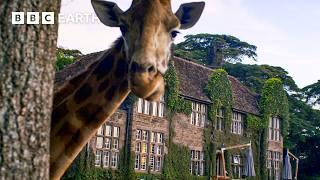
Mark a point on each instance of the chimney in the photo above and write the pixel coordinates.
(215, 56)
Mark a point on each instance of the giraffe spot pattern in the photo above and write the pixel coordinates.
(122, 68)
(83, 93)
(89, 112)
(79, 79)
(111, 93)
(104, 68)
(59, 112)
(104, 85)
(63, 94)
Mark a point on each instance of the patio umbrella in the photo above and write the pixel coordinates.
(287, 170)
(249, 166)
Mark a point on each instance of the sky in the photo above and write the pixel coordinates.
(286, 32)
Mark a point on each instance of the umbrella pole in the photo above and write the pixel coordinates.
(223, 164)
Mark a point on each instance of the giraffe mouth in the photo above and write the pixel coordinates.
(149, 89)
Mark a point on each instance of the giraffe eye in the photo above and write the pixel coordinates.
(174, 34)
(123, 29)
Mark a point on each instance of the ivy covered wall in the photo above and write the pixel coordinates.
(177, 160)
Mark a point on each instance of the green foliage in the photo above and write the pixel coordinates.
(254, 76)
(66, 57)
(144, 176)
(174, 102)
(219, 92)
(255, 123)
(177, 163)
(312, 93)
(210, 149)
(197, 47)
(274, 102)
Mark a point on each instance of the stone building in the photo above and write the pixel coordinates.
(144, 127)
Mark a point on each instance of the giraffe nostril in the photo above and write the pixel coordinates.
(151, 69)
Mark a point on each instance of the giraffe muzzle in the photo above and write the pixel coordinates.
(146, 81)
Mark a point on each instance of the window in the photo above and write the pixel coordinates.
(106, 159)
(273, 164)
(107, 145)
(98, 158)
(151, 108)
(138, 134)
(146, 106)
(274, 129)
(99, 142)
(149, 151)
(116, 131)
(140, 105)
(199, 114)
(114, 159)
(197, 163)
(237, 166)
(137, 161)
(144, 135)
(108, 130)
(115, 144)
(151, 162)
(143, 165)
(220, 120)
(100, 130)
(237, 123)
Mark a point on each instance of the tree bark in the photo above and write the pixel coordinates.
(27, 56)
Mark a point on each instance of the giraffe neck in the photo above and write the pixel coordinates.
(99, 92)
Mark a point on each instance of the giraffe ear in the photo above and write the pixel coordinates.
(107, 12)
(189, 14)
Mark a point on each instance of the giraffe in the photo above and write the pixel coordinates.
(135, 63)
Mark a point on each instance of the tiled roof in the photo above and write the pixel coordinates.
(193, 79)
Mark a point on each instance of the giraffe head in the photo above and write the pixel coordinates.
(148, 28)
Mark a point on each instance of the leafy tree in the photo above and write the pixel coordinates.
(206, 47)
(312, 93)
(66, 57)
(254, 76)
(304, 133)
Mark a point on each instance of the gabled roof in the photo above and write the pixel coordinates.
(193, 79)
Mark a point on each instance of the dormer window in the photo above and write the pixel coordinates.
(220, 120)
(199, 114)
(237, 123)
(274, 129)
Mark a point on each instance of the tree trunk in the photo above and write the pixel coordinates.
(27, 55)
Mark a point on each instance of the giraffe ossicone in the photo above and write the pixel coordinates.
(136, 63)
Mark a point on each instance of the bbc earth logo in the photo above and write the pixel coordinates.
(32, 18)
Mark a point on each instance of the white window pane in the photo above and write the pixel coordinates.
(140, 105)
(161, 110)
(108, 130)
(106, 159)
(160, 138)
(146, 107)
(138, 134)
(98, 158)
(116, 131)
(99, 142)
(107, 143)
(137, 161)
(154, 108)
(100, 130)
(115, 144)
